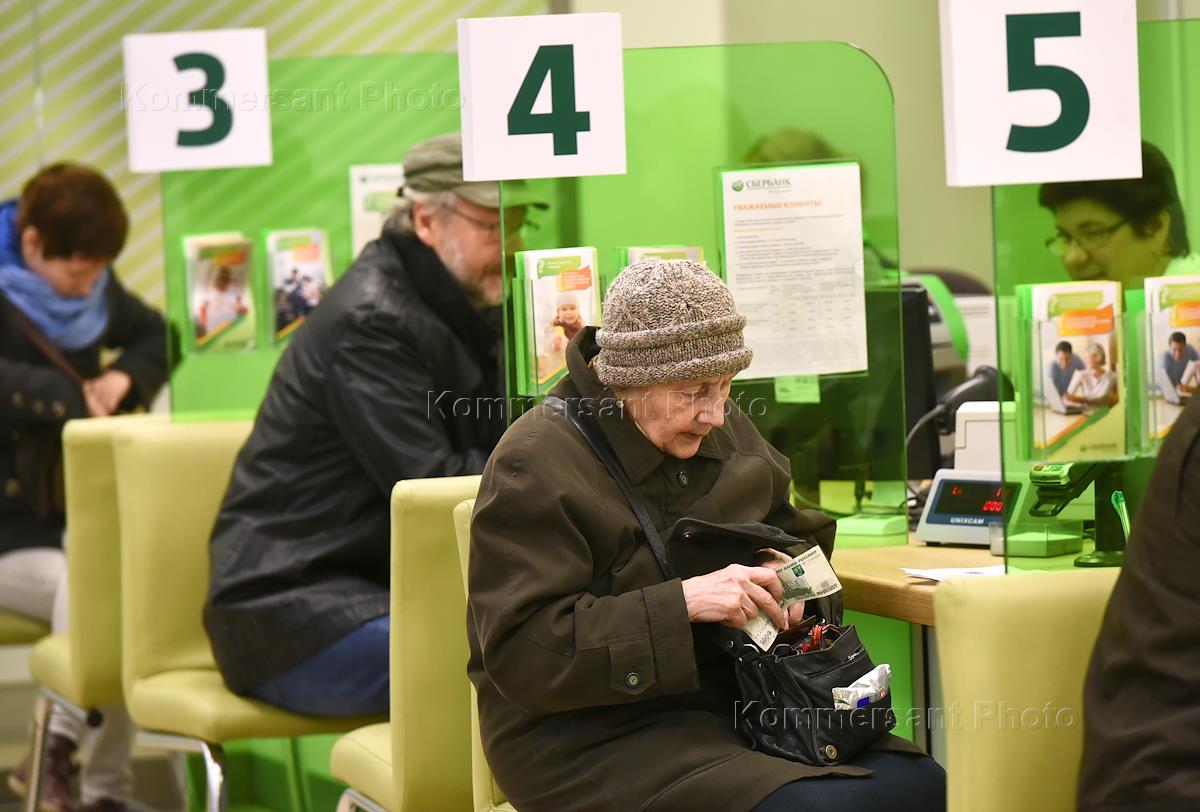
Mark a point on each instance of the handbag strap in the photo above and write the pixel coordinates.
(43, 344)
(591, 433)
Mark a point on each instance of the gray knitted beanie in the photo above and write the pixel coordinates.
(669, 320)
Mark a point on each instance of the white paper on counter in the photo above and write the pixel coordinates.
(946, 573)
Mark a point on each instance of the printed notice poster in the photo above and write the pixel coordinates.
(794, 263)
(373, 194)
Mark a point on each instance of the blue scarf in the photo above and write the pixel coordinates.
(69, 323)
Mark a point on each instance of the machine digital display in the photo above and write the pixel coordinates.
(967, 507)
(967, 498)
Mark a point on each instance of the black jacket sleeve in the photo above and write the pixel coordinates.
(139, 332)
(381, 396)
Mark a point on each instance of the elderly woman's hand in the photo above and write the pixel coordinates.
(734, 595)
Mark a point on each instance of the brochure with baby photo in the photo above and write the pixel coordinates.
(1078, 408)
(220, 301)
(557, 296)
(300, 273)
(1173, 349)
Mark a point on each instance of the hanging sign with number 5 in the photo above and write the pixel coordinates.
(543, 96)
(1039, 91)
(197, 100)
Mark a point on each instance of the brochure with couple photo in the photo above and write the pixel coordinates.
(298, 260)
(556, 294)
(1172, 359)
(1077, 411)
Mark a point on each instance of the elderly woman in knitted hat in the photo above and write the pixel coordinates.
(598, 686)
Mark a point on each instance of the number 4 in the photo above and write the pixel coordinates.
(1024, 73)
(563, 121)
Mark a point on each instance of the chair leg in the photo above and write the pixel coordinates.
(354, 801)
(37, 761)
(216, 799)
(346, 802)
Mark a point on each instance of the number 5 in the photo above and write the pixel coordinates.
(1025, 74)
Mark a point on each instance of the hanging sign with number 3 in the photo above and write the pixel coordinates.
(543, 96)
(1040, 90)
(197, 100)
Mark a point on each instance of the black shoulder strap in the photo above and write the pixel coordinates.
(602, 450)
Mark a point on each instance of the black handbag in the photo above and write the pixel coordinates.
(787, 707)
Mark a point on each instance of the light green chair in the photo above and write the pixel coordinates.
(487, 796)
(18, 630)
(1013, 653)
(172, 479)
(80, 670)
(422, 759)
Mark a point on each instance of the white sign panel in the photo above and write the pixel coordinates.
(543, 96)
(197, 100)
(1038, 91)
(794, 264)
(374, 192)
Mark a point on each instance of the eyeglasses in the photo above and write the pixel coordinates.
(493, 229)
(1088, 240)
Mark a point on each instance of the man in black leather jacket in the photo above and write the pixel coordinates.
(396, 375)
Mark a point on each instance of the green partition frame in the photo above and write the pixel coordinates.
(1170, 107)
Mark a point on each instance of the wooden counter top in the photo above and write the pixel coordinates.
(873, 582)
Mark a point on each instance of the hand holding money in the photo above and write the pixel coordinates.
(735, 595)
(804, 577)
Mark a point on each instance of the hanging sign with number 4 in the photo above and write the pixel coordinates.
(1038, 91)
(197, 100)
(543, 96)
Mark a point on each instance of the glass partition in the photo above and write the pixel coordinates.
(692, 112)
(1093, 395)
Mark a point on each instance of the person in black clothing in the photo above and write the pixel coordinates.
(1141, 698)
(397, 375)
(60, 305)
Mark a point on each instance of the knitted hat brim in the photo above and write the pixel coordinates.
(726, 363)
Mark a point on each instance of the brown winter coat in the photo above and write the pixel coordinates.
(595, 691)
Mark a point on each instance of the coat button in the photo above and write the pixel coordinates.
(58, 408)
(39, 406)
(18, 400)
(12, 488)
(632, 679)
(682, 479)
(830, 752)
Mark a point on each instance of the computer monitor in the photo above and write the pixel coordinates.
(920, 392)
(857, 430)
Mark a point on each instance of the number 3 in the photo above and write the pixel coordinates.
(1024, 73)
(206, 96)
